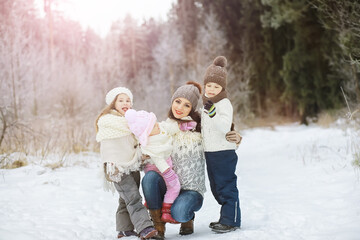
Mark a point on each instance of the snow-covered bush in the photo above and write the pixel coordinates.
(355, 139)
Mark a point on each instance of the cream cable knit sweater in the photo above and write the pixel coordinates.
(214, 129)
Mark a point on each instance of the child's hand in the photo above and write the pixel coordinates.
(144, 157)
(210, 108)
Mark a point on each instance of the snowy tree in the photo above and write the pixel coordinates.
(210, 42)
(20, 48)
(169, 57)
(211, 39)
(186, 20)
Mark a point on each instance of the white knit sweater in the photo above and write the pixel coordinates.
(214, 129)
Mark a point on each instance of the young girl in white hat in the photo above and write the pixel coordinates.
(121, 160)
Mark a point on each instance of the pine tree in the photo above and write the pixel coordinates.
(306, 70)
(344, 19)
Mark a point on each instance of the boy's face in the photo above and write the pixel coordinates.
(212, 89)
(181, 107)
(155, 130)
(122, 103)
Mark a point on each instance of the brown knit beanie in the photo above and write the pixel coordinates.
(216, 72)
(191, 91)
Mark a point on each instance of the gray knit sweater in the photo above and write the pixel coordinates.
(189, 160)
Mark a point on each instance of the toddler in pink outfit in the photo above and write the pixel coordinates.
(156, 141)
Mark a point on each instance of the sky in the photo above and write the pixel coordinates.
(99, 14)
(295, 183)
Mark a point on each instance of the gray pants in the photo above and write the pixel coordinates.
(131, 212)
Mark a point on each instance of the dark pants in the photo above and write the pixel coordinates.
(184, 206)
(221, 168)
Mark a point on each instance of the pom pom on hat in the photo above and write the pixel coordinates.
(111, 95)
(196, 85)
(220, 61)
(130, 116)
(216, 72)
(140, 124)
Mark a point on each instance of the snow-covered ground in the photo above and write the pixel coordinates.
(295, 182)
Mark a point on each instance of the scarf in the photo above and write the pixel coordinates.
(112, 125)
(215, 99)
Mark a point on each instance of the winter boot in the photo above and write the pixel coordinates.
(187, 228)
(148, 233)
(158, 224)
(222, 228)
(166, 213)
(126, 234)
(212, 224)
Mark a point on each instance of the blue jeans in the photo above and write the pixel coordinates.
(185, 204)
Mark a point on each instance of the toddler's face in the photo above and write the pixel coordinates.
(155, 130)
(122, 103)
(181, 107)
(212, 89)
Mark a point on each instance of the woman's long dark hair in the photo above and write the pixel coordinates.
(195, 115)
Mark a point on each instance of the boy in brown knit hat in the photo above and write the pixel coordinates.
(221, 158)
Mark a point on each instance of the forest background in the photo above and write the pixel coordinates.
(294, 60)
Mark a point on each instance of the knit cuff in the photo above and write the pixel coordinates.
(169, 174)
(212, 111)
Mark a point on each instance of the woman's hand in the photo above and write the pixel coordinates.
(185, 126)
(233, 137)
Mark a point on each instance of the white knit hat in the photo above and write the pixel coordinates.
(111, 95)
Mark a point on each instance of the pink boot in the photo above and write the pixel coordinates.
(166, 213)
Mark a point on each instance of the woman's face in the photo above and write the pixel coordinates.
(181, 107)
(122, 103)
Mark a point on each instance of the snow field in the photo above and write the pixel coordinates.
(295, 182)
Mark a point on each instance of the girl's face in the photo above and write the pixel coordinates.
(181, 107)
(122, 103)
(212, 89)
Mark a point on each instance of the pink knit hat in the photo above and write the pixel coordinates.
(141, 123)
